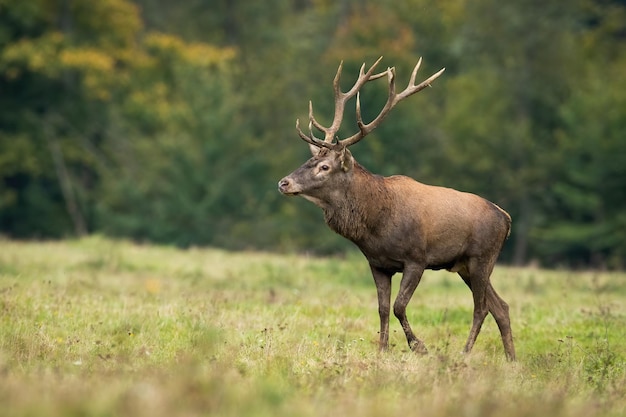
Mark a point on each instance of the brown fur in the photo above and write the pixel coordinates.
(402, 225)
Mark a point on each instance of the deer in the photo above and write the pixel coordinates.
(399, 224)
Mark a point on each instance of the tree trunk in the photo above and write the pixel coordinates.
(71, 204)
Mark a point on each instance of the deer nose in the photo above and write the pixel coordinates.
(282, 184)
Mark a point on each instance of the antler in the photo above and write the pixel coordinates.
(341, 99)
(340, 102)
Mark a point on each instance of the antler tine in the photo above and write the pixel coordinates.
(412, 88)
(379, 75)
(414, 73)
(311, 139)
(336, 86)
(313, 121)
(363, 78)
(392, 100)
(391, 75)
(359, 119)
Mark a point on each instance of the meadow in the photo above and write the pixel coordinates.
(102, 327)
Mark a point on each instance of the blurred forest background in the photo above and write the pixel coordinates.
(172, 121)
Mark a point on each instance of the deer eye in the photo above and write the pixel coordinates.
(324, 167)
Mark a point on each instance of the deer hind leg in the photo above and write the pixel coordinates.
(499, 309)
(410, 279)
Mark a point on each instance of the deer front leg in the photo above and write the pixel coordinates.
(410, 279)
(383, 288)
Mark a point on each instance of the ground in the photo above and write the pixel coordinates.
(102, 327)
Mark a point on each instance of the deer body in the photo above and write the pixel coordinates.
(402, 225)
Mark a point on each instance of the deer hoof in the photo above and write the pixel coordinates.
(418, 346)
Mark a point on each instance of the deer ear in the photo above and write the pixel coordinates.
(314, 149)
(347, 162)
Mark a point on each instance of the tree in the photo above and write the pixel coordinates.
(583, 221)
(56, 70)
(83, 85)
(172, 121)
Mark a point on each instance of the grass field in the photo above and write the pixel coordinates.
(107, 328)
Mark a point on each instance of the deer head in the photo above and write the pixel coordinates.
(331, 158)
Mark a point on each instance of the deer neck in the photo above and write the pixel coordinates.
(355, 210)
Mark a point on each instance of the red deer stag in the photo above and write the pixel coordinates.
(399, 224)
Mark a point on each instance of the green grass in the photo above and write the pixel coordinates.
(107, 328)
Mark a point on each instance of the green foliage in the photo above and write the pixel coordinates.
(587, 196)
(173, 121)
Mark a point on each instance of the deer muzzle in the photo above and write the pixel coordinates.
(288, 187)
